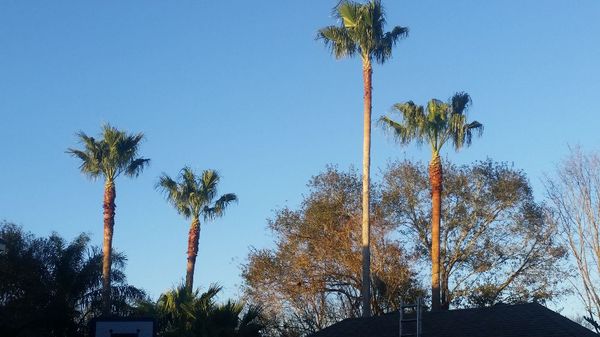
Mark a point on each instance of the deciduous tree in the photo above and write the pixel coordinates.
(312, 277)
(574, 195)
(496, 245)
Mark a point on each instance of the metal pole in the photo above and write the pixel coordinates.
(401, 317)
(419, 317)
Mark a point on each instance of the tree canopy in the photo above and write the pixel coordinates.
(361, 31)
(312, 278)
(574, 194)
(496, 244)
(51, 287)
(195, 195)
(183, 313)
(115, 153)
(435, 124)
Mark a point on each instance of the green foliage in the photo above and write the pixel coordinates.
(194, 195)
(50, 287)
(312, 278)
(182, 313)
(114, 154)
(496, 243)
(361, 31)
(435, 124)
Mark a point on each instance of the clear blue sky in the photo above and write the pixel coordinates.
(243, 87)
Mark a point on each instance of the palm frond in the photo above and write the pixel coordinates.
(459, 129)
(460, 102)
(89, 165)
(210, 181)
(349, 13)
(136, 167)
(219, 206)
(383, 51)
(87, 141)
(338, 41)
(401, 132)
(175, 194)
(413, 126)
(250, 324)
(470, 128)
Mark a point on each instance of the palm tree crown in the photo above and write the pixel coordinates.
(194, 195)
(114, 154)
(436, 124)
(361, 31)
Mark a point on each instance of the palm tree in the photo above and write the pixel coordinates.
(441, 122)
(183, 313)
(115, 153)
(361, 31)
(52, 287)
(194, 196)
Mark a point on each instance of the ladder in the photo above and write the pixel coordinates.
(404, 320)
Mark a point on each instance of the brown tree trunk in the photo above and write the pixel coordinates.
(435, 178)
(193, 238)
(109, 222)
(366, 250)
(445, 297)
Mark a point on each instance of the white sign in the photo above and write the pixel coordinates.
(124, 328)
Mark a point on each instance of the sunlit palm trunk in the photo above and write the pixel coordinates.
(109, 222)
(193, 239)
(435, 178)
(366, 250)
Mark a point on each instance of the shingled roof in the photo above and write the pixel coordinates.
(520, 320)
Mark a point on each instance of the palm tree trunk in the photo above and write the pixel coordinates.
(435, 178)
(366, 250)
(192, 252)
(110, 194)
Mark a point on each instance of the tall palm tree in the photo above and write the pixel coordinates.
(436, 124)
(361, 31)
(115, 153)
(194, 196)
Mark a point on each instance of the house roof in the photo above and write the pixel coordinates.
(520, 320)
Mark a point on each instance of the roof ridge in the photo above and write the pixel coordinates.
(567, 329)
(491, 307)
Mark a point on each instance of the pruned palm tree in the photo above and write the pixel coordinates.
(438, 123)
(361, 32)
(114, 154)
(195, 196)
